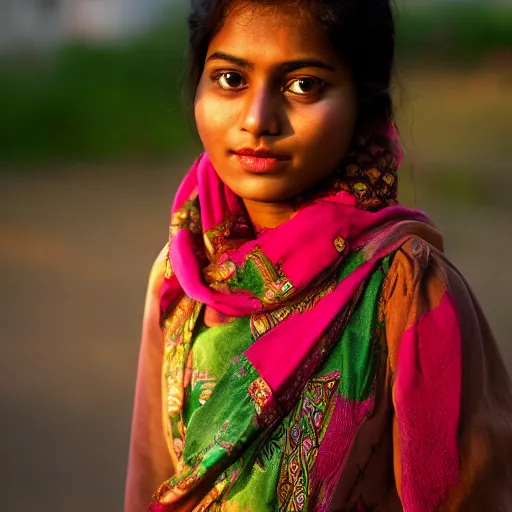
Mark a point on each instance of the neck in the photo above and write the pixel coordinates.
(268, 215)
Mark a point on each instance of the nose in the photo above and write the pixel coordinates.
(261, 112)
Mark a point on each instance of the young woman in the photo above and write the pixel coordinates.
(306, 344)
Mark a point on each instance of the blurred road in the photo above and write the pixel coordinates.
(75, 253)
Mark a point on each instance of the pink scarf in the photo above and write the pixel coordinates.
(211, 240)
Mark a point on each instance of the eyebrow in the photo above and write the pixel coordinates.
(287, 67)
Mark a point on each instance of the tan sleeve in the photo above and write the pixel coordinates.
(417, 279)
(402, 305)
(149, 462)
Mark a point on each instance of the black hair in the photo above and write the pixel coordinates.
(361, 31)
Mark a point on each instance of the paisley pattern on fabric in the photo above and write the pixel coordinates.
(303, 438)
(178, 330)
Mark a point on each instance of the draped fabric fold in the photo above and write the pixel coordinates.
(319, 365)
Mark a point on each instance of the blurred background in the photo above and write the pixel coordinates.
(94, 137)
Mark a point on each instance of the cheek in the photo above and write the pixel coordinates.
(205, 121)
(327, 127)
(213, 119)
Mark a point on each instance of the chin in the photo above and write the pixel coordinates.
(265, 192)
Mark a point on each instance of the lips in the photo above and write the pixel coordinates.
(260, 160)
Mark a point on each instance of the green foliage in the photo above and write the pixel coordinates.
(86, 102)
(454, 33)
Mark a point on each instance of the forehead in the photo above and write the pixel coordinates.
(262, 34)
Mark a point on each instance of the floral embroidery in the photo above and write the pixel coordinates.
(261, 323)
(261, 394)
(264, 403)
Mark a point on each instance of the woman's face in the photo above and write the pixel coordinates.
(275, 106)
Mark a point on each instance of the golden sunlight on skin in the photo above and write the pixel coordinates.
(275, 108)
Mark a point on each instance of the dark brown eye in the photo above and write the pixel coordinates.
(231, 81)
(302, 86)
